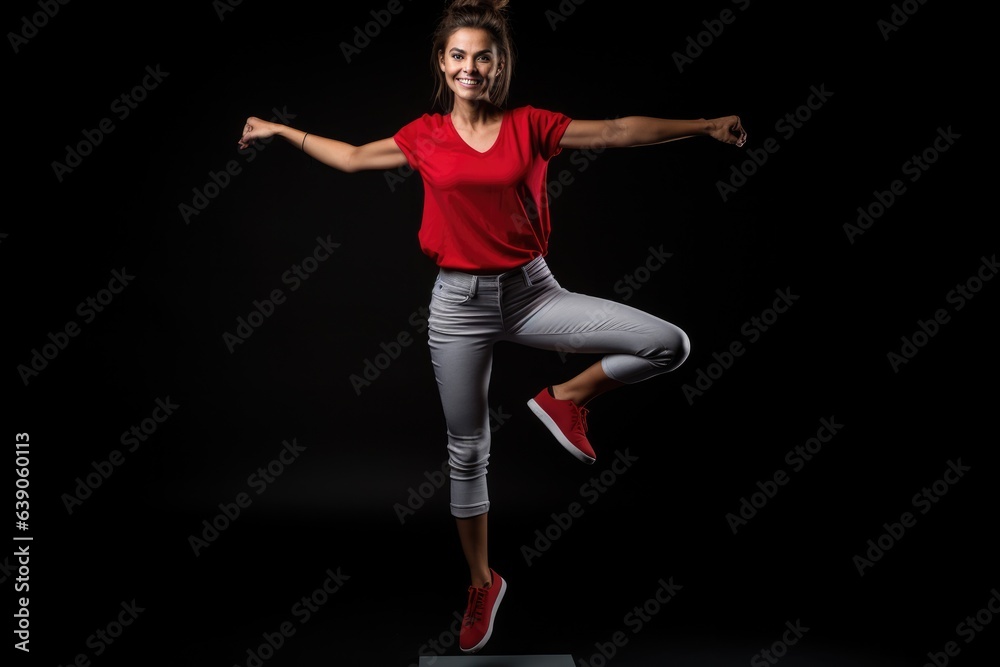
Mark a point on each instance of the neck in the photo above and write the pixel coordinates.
(470, 113)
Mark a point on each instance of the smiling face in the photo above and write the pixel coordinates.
(470, 62)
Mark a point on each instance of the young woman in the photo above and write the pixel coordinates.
(486, 224)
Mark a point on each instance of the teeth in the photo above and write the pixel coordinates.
(471, 82)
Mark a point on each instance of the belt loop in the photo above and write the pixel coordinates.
(474, 286)
(527, 277)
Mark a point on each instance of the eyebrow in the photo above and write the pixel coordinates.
(455, 49)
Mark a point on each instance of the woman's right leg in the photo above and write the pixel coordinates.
(462, 368)
(472, 534)
(461, 339)
(461, 336)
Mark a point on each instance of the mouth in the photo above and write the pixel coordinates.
(469, 83)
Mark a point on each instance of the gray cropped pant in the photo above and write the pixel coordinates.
(469, 314)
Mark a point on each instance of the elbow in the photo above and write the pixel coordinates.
(349, 165)
(621, 132)
(345, 164)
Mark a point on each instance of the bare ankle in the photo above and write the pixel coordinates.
(561, 393)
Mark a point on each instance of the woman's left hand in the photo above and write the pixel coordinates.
(729, 130)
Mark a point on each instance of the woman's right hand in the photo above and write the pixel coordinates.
(257, 128)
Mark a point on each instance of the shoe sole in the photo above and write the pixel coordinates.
(554, 429)
(493, 615)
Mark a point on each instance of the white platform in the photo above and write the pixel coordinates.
(498, 661)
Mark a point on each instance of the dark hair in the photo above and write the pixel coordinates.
(488, 15)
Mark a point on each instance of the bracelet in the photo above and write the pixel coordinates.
(302, 147)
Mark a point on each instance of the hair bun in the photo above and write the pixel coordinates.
(497, 5)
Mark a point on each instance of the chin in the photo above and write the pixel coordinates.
(472, 95)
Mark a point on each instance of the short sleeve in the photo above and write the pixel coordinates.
(406, 139)
(548, 128)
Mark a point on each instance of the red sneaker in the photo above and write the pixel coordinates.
(477, 625)
(566, 421)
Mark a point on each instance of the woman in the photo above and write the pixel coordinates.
(486, 224)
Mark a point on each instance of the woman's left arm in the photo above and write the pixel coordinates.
(645, 131)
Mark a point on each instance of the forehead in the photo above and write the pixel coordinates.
(470, 40)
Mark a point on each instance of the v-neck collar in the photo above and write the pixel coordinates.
(503, 123)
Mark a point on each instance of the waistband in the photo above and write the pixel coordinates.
(528, 274)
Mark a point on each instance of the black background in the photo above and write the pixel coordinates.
(336, 507)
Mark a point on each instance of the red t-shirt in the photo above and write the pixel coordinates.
(484, 211)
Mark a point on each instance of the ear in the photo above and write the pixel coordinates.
(441, 59)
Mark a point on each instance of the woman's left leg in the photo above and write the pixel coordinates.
(636, 346)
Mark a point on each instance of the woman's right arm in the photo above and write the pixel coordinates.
(382, 154)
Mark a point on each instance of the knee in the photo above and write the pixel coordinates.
(673, 349)
(683, 350)
(468, 455)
